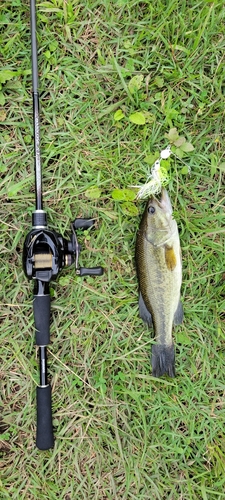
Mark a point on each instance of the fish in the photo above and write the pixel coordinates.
(159, 273)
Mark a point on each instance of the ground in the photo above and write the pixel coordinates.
(119, 433)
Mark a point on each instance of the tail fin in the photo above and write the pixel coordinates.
(163, 360)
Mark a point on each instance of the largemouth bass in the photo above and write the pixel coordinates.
(159, 271)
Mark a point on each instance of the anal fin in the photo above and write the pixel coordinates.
(144, 312)
(179, 314)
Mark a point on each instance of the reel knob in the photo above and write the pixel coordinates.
(83, 223)
(90, 271)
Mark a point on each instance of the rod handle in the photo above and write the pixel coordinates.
(44, 436)
(41, 308)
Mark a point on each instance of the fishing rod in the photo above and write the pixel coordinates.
(45, 253)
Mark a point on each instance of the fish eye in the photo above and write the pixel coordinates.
(151, 209)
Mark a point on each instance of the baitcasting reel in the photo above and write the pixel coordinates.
(47, 252)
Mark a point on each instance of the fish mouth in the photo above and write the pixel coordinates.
(163, 201)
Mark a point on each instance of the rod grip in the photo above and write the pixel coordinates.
(44, 436)
(41, 307)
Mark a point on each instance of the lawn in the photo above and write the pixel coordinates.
(120, 434)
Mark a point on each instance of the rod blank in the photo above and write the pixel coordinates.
(36, 118)
(34, 46)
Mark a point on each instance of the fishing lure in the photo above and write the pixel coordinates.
(157, 179)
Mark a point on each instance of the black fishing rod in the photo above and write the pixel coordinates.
(45, 253)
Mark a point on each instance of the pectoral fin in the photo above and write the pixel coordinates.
(170, 257)
(144, 312)
(179, 314)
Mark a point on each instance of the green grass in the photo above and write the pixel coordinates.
(120, 433)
